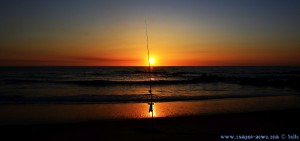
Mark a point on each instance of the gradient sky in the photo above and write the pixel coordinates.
(181, 32)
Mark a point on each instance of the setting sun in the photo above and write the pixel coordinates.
(152, 61)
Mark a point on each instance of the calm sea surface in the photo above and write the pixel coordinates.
(131, 84)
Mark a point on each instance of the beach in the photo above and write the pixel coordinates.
(112, 103)
(142, 70)
(183, 120)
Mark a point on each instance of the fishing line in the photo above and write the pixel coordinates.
(149, 71)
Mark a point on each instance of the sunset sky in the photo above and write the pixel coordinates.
(181, 32)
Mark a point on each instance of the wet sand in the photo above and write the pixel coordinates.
(208, 123)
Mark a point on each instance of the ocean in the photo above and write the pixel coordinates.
(131, 84)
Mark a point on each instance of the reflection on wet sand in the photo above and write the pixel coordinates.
(193, 108)
(54, 113)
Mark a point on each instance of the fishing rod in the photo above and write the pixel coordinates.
(149, 71)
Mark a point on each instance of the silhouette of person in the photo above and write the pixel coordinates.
(151, 107)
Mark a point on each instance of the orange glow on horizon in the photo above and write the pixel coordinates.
(188, 59)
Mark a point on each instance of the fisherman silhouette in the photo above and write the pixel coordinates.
(151, 107)
(151, 103)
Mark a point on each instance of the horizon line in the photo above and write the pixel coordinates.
(156, 66)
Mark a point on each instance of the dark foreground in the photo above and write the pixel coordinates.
(282, 124)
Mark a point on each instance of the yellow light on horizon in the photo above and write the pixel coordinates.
(152, 61)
